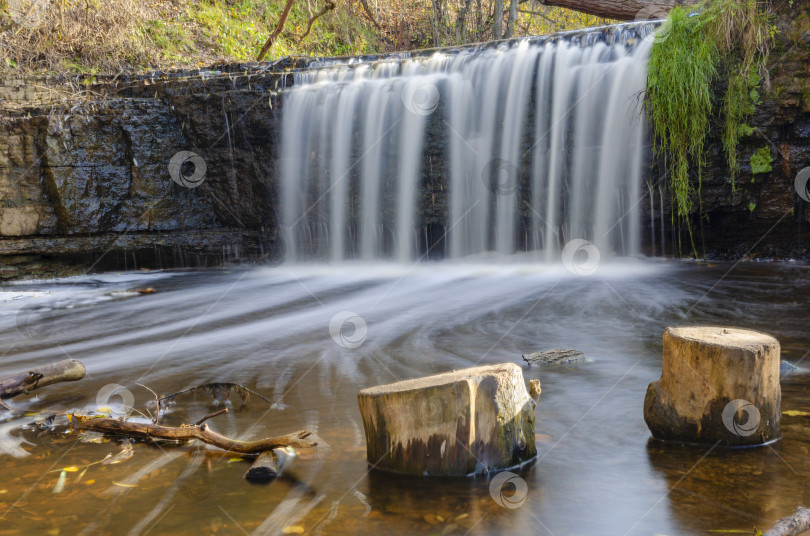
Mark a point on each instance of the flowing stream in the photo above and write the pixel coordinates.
(269, 329)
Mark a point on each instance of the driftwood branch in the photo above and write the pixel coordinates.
(69, 370)
(793, 525)
(188, 432)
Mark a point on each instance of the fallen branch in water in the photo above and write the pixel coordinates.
(188, 432)
(792, 525)
(68, 370)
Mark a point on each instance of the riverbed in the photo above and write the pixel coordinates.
(268, 328)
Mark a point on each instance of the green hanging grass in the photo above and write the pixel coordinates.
(713, 40)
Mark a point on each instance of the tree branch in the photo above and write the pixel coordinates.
(282, 20)
(330, 5)
(367, 9)
(68, 370)
(187, 432)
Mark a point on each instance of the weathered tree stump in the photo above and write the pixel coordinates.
(717, 385)
(457, 423)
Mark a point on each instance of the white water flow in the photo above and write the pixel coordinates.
(517, 147)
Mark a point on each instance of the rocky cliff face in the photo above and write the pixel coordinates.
(85, 170)
(764, 217)
(88, 178)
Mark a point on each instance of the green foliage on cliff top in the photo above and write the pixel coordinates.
(107, 36)
(695, 49)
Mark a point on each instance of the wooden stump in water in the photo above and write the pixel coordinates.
(717, 385)
(457, 423)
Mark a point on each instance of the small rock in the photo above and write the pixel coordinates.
(554, 357)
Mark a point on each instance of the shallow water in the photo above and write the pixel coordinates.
(269, 329)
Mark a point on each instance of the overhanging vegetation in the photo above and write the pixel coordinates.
(707, 61)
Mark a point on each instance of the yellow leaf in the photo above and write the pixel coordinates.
(125, 485)
(796, 413)
(71, 469)
(293, 529)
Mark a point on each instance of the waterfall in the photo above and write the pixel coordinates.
(513, 146)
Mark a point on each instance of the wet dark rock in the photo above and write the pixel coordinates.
(550, 358)
(79, 181)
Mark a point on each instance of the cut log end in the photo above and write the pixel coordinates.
(724, 337)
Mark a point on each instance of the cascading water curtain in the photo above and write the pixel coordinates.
(522, 146)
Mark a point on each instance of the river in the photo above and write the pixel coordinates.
(268, 328)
